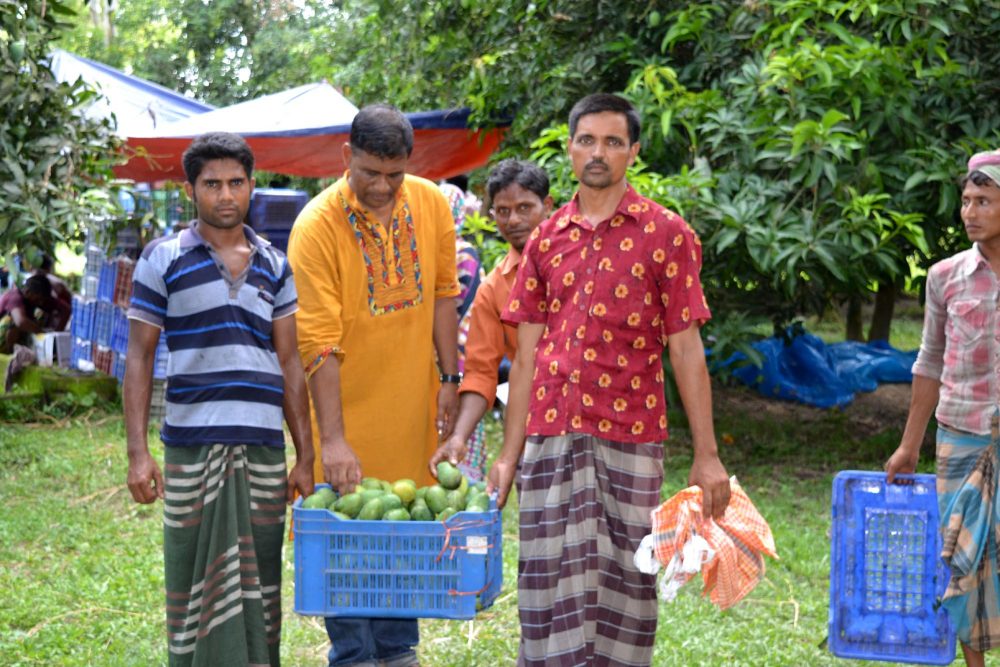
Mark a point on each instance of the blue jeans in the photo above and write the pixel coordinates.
(360, 639)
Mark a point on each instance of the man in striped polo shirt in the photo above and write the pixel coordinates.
(224, 298)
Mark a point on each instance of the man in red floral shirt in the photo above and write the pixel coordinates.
(604, 284)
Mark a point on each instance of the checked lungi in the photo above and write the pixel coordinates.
(967, 479)
(223, 525)
(585, 506)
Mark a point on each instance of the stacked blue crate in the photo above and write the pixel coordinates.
(82, 350)
(118, 367)
(82, 321)
(81, 329)
(106, 281)
(119, 332)
(104, 314)
(92, 270)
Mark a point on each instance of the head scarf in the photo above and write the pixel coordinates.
(456, 202)
(987, 163)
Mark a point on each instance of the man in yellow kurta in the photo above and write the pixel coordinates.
(374, 263)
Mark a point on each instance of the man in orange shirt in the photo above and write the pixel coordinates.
(519, 195)
(374, 262)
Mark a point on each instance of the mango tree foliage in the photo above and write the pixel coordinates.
(815, 144)
(220, 52)
(54, 160)
(834, 133)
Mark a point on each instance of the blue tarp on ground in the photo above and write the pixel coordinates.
(824, 375)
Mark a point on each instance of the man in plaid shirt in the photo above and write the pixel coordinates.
(958, 372)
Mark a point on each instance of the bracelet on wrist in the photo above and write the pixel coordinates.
(451, 378)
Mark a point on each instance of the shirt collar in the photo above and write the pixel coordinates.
(190, 238)
(974, 260)
(510, 262)
(628, 207)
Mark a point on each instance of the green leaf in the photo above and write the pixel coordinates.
(665, 120)
(914, 180)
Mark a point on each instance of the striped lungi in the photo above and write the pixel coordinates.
(223, 525)
(967, 479)
(585, 506)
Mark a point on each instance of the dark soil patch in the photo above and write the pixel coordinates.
(869, 414)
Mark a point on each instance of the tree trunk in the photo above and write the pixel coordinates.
(855, 326)
(885, 304)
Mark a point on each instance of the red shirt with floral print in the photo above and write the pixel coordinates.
(609, 296)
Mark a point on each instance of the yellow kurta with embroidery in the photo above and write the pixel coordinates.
(367, 295)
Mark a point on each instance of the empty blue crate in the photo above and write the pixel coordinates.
(886, 575)
(106, 281)
(82, 320)
(82, 350)
(119, 331)
(104, 317)
(118, 367)
(396, 569)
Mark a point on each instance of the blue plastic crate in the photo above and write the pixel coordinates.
(82, 319)
(74, 322)
(118, 367)
(104, 315)
(106, 281)
(81, 350)
(886, 575)
(119, 331)
(396, 569)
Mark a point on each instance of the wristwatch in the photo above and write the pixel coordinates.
(447, 378)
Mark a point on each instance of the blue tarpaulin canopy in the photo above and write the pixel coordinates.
(297, 132)
(301, 131)
(139, 107)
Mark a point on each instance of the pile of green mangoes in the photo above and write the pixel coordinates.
(378, 500)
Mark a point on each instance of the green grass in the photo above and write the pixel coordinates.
(81, 563)
(907, 324)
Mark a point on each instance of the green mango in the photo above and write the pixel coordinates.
(371, 494)
(315, 502)
(456, 499)
(350, 504)
(448, 475)
(372, 510)
(480, 503)
(421, 513)
(436, 498)
(391, 501)
(398, 514)
(446, 514)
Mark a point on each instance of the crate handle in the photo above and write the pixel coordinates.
(897, 494)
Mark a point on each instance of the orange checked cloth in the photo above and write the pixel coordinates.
(728, 552)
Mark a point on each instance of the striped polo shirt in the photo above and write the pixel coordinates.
(224, 381)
